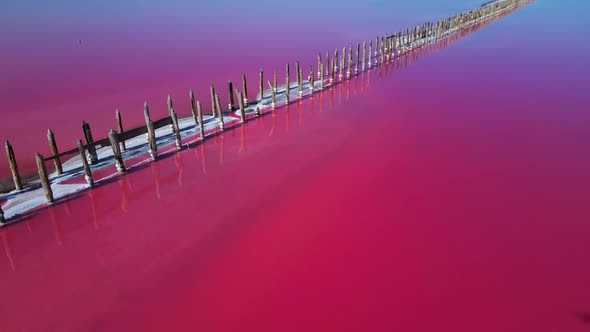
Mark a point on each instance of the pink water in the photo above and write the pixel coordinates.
(447, 195)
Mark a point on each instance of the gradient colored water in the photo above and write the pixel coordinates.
(67, 61)
(447, 195)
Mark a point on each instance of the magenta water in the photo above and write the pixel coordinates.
(66, 62)
(448, 195)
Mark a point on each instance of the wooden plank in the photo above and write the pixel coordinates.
(162, 122)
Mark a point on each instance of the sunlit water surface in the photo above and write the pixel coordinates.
(448, 193)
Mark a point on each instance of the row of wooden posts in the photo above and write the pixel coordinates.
(384, 49)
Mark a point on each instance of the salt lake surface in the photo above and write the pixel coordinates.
(449, 194)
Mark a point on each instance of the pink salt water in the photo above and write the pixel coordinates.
(448, 195)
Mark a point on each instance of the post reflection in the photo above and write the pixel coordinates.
(57, 233)
(95, 222)
(287, 120)
(123, 187)
(243, 137)
(178, 161)
(221, 144)
(155, 167)
(7, 249)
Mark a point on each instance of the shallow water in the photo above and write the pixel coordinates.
(66, 61)
(448, 194)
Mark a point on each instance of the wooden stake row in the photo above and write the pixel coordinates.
(383, 49)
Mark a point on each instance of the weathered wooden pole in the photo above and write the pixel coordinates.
(287, 84)
(220, 112)
(230, 87)
(200, 120)
(358, 55)
(44, 179)
(327, 73)
(242, 108)
(299, 79)
(334, 65)
(311, 78)
(191, 96)
(273, 95)
(176, 129)
(370, 54)
(319, 63)
(364, 55)
(275, 82)
(212, 90)
(87, 171)
(146, 112)
(116, 151)
(342, 59)
(261, 85)
(321, 69)
(120, 127)
(349, 64)
(89, 140)
(169, 103)
(245, 88)
(376, 48)
(382, 52)
(54, 152)
(151, 132)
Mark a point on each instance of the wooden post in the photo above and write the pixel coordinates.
(288, 77)
(376, 48)
(382, 51)
(275, 82)
(230, 87)
(242, 108)
(327, 73)
(287, 84)
(311, 78)
(120, 127)
(245, 88)
(89, 140)
(87, 171)
(370, 54)
(358, 55)
(342, 59)
(43, 176)
(349, 65)
(170, 107)
(54, 152)
(116, 151)
(321, 69)
(176, 129)
(364, 55)
(200, 120)
(261, 85)
(299, 79)
(191, 96)
(146, 112)
(273, 95)
(334, 65)
(151, 132)
(221, 119)
(212, 90)
(319, 63)
(169, 103)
